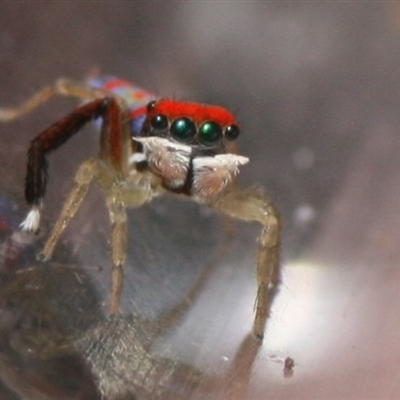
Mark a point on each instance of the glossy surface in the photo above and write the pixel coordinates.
(317, 89)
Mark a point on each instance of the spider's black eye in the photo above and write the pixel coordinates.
(151, 105)
(210, 133)
(183, 130)
(232, 132)
(159, 122)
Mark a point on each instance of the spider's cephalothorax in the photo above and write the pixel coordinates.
(204, 126)
(149, 146)
(186, 145)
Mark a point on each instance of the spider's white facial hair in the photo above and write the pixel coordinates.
(167, 159)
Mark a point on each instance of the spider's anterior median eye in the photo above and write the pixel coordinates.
(210, 133)
(159, 122)
(183, 130)
(232, 132)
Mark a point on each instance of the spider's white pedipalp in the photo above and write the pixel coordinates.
(212, 174)
(167, 159)
(32, 221)
(136, 158)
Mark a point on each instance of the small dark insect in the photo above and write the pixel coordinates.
(149, 147)
(289, 363)
(288, 367)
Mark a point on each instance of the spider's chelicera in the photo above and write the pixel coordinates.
(149, 147)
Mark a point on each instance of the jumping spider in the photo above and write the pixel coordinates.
(148, 147)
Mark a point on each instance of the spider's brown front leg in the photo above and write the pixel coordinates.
(49, 140)
(250, 206)
(109, 171)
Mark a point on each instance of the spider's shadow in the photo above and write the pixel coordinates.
(58, 322)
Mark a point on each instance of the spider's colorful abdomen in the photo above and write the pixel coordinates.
(135, 97)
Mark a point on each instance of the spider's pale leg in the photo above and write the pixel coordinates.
(249, 206)
(65, 87)
(71, 205)
(118, 219)
(118, 198)
(43, 95)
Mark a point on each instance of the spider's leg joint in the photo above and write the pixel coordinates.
(251, 206)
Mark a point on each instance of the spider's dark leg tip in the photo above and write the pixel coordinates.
(41, 257)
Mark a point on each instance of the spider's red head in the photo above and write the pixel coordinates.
(190, 123)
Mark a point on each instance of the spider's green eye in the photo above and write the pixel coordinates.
(183, 130)
(159, 122)
(210, 133)
(232, 132)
